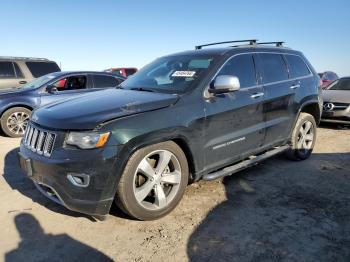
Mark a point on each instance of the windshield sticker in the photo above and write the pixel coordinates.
(183, 74)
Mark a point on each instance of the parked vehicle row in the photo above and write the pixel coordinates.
(200, 114)
(16, 104)
(327, 78)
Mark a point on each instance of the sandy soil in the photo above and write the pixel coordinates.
(276, 211)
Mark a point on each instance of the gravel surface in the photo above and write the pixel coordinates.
(278, 210)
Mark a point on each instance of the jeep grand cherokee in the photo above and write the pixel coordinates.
(200, 114)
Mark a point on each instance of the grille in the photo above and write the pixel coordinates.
(39, 141)
(334, 106)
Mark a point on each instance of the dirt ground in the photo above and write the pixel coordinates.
(276, 211)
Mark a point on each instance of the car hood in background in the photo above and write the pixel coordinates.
(87, 111)
(340, 96)
(13, 91)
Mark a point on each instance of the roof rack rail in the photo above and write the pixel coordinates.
(251, 42)
(278, 43)
(23, 58)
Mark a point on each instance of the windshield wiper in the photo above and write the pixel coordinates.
(142, 89)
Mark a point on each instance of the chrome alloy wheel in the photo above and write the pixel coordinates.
(17, 122)
(157, 180)
(305, 136)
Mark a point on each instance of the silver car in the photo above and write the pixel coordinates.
(17, 71)
(336, 102)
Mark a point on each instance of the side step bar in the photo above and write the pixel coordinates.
(227, 171)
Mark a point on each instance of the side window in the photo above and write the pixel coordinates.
(18, 71)
(42, 68)
(273, 67)
(7, 70)
(71, 83)
(297, 66)
(241, 66)
(102, 81)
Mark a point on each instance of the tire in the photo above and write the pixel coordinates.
(143, 174)
(14, 121)
(303, 137)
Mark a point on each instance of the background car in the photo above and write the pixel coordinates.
(336, 102)
(122, 71)
(17, 71)
(327, 78)
(16, 104)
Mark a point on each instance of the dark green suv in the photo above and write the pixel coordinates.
(201, 114)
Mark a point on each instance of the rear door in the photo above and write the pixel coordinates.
(279, 97)
(234, 121)
(105, 81)
(10, 75)
(67, 87)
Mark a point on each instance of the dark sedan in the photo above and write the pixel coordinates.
(336, 102)
(16, 104)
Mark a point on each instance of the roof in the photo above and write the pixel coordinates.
(236, 49)
(61, 73)
(23, 58)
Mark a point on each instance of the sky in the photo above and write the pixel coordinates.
(96, 35)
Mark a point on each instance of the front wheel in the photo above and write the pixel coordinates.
(303, 137)
(14, 121)
(153, 181)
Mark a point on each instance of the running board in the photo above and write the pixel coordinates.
(227, 171)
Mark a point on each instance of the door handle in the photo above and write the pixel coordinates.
(22, 82)
(295, 86)
(257, 95)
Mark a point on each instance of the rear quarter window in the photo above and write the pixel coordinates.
(102, 81)
(42, 68)
(297, 66)
(273, 68)
(7, 70)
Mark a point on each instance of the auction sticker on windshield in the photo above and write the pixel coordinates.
(183, 74)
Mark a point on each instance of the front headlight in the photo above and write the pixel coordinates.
(87, 140)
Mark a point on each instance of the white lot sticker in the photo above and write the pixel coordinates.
(183, 74)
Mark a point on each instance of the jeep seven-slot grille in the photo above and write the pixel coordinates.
(39, 141)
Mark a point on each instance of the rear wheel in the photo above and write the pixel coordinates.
(14, 121)
(153, 181)
(303, 137)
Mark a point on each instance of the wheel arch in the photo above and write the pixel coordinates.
(313, 109)
(15, 105)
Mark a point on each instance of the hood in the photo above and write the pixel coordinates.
(12, 91)
(87, 111)
(340, 96)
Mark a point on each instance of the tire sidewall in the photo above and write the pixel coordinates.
(130, 204)
(6, 115)
(303, 117)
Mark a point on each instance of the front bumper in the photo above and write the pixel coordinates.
(336, 116)
(50, 175)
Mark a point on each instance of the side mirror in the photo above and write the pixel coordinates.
(51, 89)
(225, 84)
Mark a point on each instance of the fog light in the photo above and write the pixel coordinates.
(79, 180)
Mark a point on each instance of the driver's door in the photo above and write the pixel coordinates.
(234, 123)
(66, 87)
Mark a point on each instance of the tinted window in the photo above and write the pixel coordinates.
(274, 68)
(71, 83)
(18, 71)
(101, 81)
(342, 84)
(7, 70)
(241, 66)
(297, 66)
(129, 72)
(42, 68)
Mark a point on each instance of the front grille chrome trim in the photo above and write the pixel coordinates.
(38, 140)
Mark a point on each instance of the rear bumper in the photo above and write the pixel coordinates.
(51, 178)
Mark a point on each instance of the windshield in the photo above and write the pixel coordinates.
(341, 84)
(173, 74)
(40, 81)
